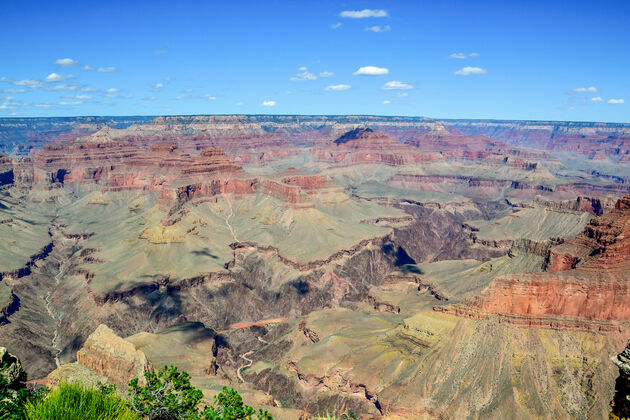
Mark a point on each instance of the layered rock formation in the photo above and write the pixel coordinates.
(364, 145)
(587, 286)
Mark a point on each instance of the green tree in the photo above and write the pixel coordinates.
(228, 405)
(166, 395)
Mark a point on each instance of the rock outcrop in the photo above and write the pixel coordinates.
(11, 369)
(621, 400)
(106, 356)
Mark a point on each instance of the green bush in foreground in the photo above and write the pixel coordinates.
(228, 405)
(73, 401)
(168, 395)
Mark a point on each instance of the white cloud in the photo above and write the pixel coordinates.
(338, 87)
(89, 89)
(377, 28)
(462, 55)
(65, 103)
(402, 94)
(158, 86)
(396, 85)
(187, 95)
(387, 102)
(597, 99)
(62, 88)
(66, 62)
(151, 98)
(160, 52)
(30, 83)
(168, 79)
(13, 90)
(326, 74)
(106, 69)
(303, 75)
(269, 103)
(336, 25)
(43, 106)
(55, 77)
(465, 71)
(112, 93)
(371, 71)
(240, 103)
(616, 101)
(362, 14)
(591, 89)
(88, 68)
(80, 97)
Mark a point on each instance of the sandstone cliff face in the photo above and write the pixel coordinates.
(597, 290)
(108, 355)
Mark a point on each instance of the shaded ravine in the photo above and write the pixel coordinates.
(55, 347)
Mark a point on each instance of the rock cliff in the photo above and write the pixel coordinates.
(587, 286)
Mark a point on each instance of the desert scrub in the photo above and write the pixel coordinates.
(73, 401)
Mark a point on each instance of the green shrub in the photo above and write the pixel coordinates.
(228, 405)
(73, 401)
(168, 395)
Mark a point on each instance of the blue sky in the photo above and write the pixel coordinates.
(546, 60)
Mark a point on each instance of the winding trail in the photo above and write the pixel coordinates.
(246, 365)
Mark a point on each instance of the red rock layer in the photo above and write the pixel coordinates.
(364, 145)
(296, 187)
(598, 289)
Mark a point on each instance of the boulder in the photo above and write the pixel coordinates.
(11, 369)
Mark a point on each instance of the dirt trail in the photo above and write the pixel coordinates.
(246, 365)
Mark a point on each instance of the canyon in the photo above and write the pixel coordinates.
(394, 267)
